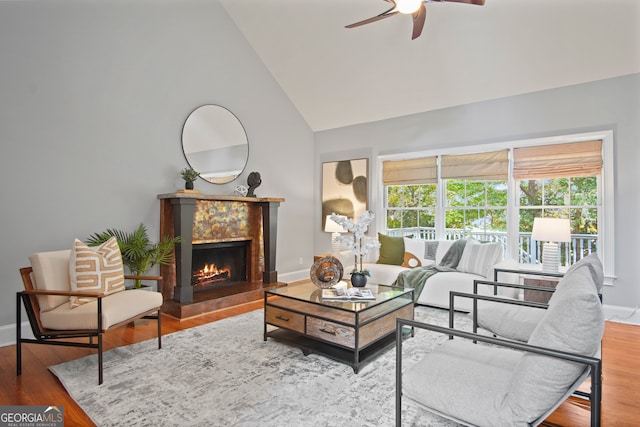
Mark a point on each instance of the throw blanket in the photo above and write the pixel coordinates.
(416, 278)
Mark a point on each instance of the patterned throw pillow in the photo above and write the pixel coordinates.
(478, 258)
(95, 269)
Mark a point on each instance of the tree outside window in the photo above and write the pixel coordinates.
(476, 208)
(575, 198)
(411, 210)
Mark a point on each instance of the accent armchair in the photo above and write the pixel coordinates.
(56, 320)
(511, 383)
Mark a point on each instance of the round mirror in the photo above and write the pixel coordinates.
(215, 144)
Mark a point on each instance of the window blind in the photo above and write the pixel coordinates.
(491, 166)
(558, 160)
(413, 171)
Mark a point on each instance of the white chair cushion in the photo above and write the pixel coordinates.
(463, 380)
(593, 264)
(51, 272)
(116, 308)
(510, 321)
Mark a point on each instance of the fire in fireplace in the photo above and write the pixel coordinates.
(218, 264)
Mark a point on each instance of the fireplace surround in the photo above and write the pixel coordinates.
(228, 223)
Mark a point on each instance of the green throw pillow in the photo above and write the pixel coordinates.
(391, 250)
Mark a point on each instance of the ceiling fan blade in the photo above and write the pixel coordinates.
(418, 21)
(477, 2)
(370, 20)
(385, 14)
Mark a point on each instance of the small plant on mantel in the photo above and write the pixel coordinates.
(189, 175)
(139, 254)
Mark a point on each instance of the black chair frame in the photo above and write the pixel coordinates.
(593, 364)
(28, 299)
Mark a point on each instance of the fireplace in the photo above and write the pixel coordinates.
(227, 255)
(218, 264)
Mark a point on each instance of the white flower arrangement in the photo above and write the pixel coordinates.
(354, 240)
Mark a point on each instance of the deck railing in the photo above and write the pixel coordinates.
(529, 250)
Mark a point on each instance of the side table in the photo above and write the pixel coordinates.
(543, 282)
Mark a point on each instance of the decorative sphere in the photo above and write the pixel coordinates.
(240, 190)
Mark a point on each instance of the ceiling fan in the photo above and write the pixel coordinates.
(414, 8)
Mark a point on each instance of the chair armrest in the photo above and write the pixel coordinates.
(496, 285)
(545, 351)
(521, 271)
(92, 294)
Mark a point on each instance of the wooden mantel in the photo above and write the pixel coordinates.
(203, 218)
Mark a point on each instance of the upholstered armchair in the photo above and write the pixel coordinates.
(509, 382)
(80, 293)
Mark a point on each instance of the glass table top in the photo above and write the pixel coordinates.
(308, 292)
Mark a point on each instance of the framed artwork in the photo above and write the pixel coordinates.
(345, 188)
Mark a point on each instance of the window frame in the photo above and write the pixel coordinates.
(606, 194)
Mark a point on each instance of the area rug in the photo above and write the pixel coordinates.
(224, 374)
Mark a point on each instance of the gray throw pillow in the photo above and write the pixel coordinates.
(430, 249)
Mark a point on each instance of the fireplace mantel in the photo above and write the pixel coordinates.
(201, 218)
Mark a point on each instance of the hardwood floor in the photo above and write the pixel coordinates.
(37, 386)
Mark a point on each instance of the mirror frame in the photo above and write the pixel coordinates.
(210, 120)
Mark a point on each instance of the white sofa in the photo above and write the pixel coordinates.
(437, 288)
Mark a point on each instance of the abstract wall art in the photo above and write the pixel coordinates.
(345, 188)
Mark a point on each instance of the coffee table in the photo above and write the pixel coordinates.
(352, 332)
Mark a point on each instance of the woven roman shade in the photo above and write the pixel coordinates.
(413, 171)
(491, 166)
(558, 160)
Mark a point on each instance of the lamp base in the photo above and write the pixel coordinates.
(550, 257)
(335, 243)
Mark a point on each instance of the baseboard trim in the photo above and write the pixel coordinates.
(8, 333)
(294, 276)
(615, 313)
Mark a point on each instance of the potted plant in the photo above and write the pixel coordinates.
(355, 242)
(189, 175)
(139, 254)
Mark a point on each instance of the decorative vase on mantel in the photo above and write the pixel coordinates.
(358, 280)
(188, 185)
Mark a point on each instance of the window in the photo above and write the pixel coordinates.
(496, 194)
(575, 198)
(411, 196)
(411, 210)
(559, 180)
(476, 208)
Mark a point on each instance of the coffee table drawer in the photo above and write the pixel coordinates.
(331, 332)
(285, 319)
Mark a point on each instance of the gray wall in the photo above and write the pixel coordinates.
(607, 104)
(93, 96)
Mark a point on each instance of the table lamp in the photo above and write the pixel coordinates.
(551, 231)
(330, 226)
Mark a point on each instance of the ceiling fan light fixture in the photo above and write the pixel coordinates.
(408, 6)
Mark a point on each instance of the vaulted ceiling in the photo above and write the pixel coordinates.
(466, 53)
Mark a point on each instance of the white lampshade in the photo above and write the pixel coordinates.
(330, 226)
(551, 230)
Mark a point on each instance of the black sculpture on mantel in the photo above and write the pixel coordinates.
(253, 181)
